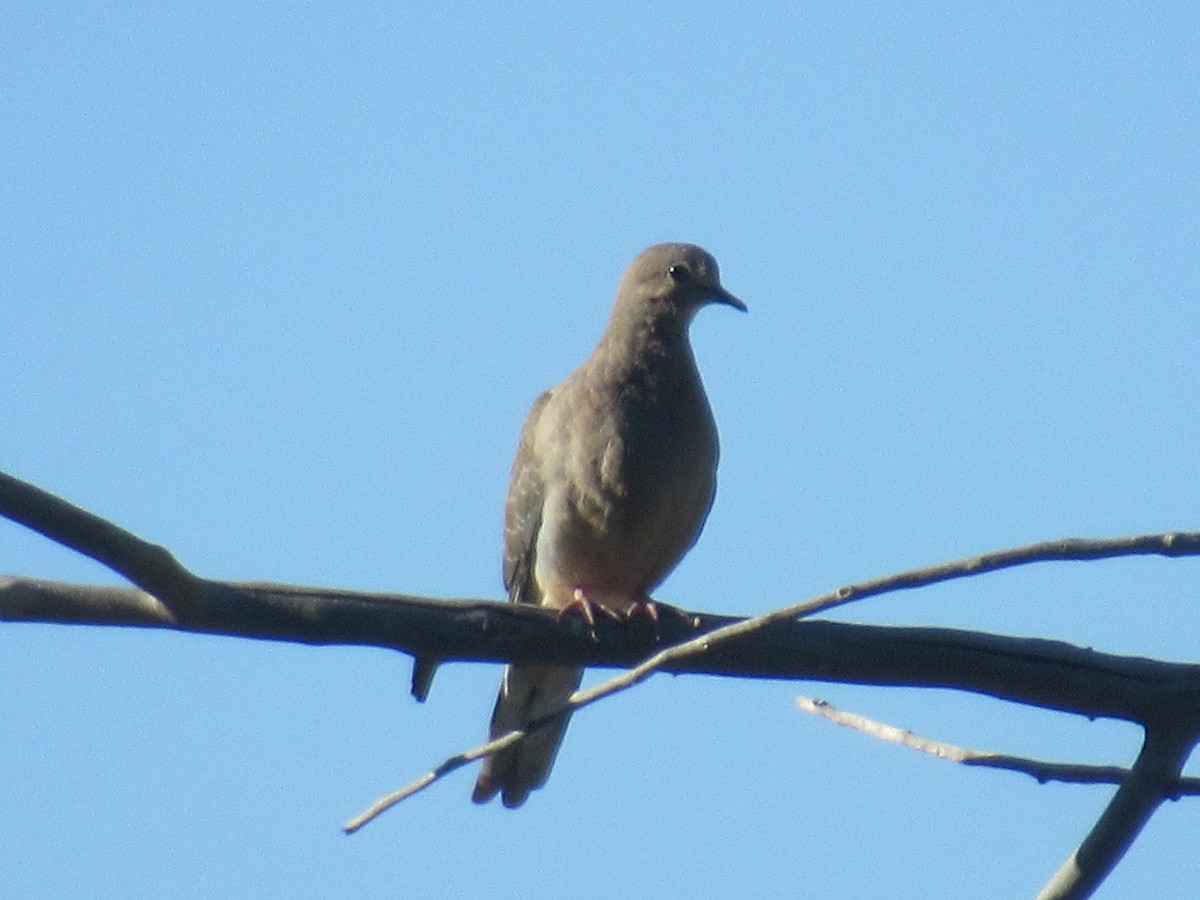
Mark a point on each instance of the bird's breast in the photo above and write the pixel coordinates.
(635, 496)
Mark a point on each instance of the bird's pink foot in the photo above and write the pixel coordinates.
(581, 606)
(656, 612)
(643, 608)
(586, 608)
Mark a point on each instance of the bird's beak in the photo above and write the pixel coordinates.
(720, 295)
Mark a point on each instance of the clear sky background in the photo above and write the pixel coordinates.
(280, 282)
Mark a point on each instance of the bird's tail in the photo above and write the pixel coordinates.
(528, 691)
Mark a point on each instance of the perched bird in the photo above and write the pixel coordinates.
(614, 476)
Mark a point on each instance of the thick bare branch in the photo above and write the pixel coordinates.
(149, 566)
(1050, 674)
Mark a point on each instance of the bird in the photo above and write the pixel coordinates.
(614, 477)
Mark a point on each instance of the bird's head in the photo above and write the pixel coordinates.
(672, 281)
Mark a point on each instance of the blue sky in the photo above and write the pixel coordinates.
(280, 283)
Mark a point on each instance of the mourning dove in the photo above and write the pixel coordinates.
(614, 476)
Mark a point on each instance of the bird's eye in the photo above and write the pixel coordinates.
(680, 273)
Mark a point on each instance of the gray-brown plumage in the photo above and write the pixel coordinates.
(614, 476)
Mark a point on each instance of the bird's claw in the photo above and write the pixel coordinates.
(586, 609)
(643, 609)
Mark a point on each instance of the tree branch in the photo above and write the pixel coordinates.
(1049, 674)
(152, 568)
(1164, 697)
(1040, 769)
(149, 566)
(1152, 697)
(1151, 781)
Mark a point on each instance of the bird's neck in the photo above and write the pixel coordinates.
(649, 348)
(652, 337)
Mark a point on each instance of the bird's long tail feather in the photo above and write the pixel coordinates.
(528, 691)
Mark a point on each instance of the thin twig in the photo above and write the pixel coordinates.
(383, 804)
(1042, 770)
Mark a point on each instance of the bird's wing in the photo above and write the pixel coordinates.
(528, 691)
(523, 511)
